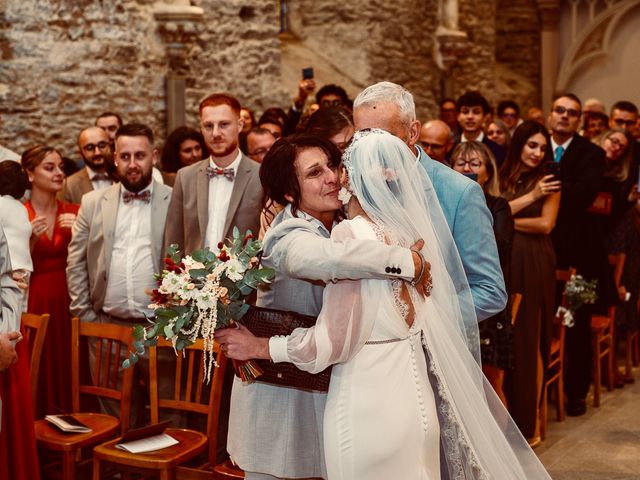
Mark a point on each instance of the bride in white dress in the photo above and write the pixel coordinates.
(407, 398)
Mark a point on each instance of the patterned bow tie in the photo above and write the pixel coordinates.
(145, 196)
(228, 173)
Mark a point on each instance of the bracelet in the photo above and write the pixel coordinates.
(423, 263)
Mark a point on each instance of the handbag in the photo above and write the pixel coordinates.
(267, 322)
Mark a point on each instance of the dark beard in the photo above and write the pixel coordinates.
(138, 186)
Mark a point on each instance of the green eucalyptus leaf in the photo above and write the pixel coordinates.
(199, 256)
(198, 273)
(126, 363)
(168, 332)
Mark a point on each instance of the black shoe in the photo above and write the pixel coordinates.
(575, 408)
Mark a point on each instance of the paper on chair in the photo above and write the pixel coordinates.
(68, 423)
(149, 444)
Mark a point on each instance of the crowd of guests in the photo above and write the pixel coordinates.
(85, 238)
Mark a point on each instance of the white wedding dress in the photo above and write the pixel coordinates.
(380, 420)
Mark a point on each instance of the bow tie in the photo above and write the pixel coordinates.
(145, 196)
(228, 173)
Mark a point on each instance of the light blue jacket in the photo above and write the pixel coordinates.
(465, 209)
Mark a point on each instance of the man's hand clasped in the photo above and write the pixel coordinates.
(422, 278)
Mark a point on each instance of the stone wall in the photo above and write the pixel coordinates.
(518, 52)
(66, 61)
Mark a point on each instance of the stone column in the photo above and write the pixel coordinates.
(178, 25)
(549, 61)
(449, 43)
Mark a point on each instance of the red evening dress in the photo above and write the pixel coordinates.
(48, 294)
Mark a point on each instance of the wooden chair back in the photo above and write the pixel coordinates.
(110, 380)
(35, 331)
(190, 392)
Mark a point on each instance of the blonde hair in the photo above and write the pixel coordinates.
(619, 169)
(466, 149)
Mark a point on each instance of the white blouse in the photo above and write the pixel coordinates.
(17, 228)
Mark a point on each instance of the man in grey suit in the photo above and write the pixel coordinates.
(391, 107)
(10, 302)
(95, 149)
(116, 247)
(214, 195)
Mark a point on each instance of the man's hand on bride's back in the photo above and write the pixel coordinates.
(422, 270)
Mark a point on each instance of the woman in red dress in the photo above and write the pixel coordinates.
(51, 220)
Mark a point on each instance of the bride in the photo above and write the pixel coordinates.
(406, 383)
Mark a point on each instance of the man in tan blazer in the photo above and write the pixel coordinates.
(214, 195)
(117, 238)
(95, 149)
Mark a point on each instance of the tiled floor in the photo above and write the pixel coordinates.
(604, 444)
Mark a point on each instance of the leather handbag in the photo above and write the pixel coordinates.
(267, 322)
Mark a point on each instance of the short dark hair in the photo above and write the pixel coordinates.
(13, 179)
(135, 130)
(332, 89)
(278, 172)
(170, 159)
(109, 114)
(570, 95)
(503, 105)
(327, 122)
(274, 113)
(473, 98)
(625, 106)
(216, 99)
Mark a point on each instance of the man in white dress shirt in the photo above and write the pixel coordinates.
(116, 246)
(214, 195)
(94, 146)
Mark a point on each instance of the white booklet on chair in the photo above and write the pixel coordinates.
(68, 423)
(147, 439)
(149, 444)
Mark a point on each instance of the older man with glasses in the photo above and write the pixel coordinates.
(94, 146)
(577, 240)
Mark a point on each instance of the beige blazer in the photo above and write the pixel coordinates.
(89, 258)
(75, 186)
(189, 209)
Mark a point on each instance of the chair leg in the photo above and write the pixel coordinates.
(168, 474)
(597, 375)
(609, 358)
(544, 412)
(69, 465)
(560, 396)
(96, 468)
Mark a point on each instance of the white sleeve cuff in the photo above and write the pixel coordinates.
(407, 266)
(278, 349)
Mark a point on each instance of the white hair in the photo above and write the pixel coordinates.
(387, 92)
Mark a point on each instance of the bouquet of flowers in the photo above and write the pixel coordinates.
(577, 292)
(201, 292)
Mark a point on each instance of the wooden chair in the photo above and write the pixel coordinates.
(110, 340)
(555, 367)
(603, 336)
(35, 331)
(189, 395)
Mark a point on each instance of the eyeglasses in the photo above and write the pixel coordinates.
(434, 147)
(509, 115)
(617, 143)
(90, 147)
(473, 164)
(572, 112)
(259, 152)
